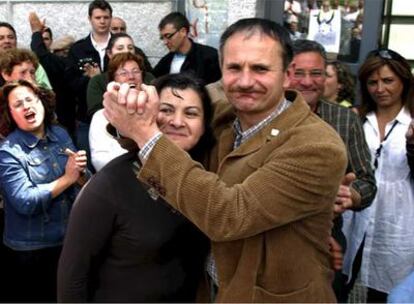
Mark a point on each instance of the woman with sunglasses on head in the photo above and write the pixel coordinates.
(40, 174)
(381, 237)
(124, 243)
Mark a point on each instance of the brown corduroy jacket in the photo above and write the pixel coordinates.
(269, 208)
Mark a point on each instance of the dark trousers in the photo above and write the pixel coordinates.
(31, 275)
(373, 296)
(343, 289)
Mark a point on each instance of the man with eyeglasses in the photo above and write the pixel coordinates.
(358, 185)
(185, 54)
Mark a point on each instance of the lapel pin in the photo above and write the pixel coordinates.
(274, 132)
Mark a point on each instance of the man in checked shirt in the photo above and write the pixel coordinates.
(268, 207)
(358, 185)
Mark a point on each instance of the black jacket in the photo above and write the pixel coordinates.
(55, 68)
(202, 60)
(78, 83)
(124, 245)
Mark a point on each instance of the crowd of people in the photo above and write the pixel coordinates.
(298, 13)
(253, 176)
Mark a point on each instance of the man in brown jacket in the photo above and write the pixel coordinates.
(268, 207)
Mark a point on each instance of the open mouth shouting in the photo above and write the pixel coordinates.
(30, 116)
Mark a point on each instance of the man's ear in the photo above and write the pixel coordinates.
(5, 76)
(184, 31)
(288, 75)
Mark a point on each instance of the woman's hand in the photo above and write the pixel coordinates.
(410, 133)
(76, 164)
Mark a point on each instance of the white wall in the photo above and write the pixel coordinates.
(71, 17)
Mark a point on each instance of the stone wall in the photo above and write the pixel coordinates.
(142, 17)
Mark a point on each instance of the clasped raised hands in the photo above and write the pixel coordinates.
(132, 111)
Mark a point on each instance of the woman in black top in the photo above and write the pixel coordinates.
(124, 243)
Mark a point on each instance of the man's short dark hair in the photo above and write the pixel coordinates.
(9, 26)
(177, 19)
(269, 28)
(99, 4)
(306, 46)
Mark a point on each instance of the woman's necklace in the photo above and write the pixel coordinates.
(325, 20)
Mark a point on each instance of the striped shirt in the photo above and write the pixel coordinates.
(349, 127)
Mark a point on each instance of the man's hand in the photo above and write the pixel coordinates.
(35, 23)
(410, 133)
(343, 199)
(337, 257)
(91, 70)
(133, 113)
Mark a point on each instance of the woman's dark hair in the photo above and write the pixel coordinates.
(120, 59)
(114, 38)
(347, 81)
(184, 81)
(375, 60)
(47, 97)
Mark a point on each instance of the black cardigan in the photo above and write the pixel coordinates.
(124, 246)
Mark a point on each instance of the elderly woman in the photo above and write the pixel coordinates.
(124, 243)
(122, 68)
(119, 43)
(381, 237)
(39, 173)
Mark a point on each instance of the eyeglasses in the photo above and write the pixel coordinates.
(125, 73)
(28, 100)
(314, 74)
(386, 54)
(168, 36)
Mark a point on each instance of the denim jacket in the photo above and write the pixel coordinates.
(28, 165)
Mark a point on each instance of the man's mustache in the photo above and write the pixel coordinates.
(244, 90)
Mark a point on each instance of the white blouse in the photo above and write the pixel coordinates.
(388, 224)
(104, 147)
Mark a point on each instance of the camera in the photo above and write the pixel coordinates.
(83, 61)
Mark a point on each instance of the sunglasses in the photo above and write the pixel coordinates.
(386, 54)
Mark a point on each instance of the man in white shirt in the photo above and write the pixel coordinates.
(87, 58)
